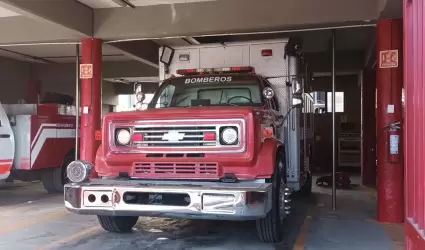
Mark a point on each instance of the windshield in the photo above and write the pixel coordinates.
(209, 91)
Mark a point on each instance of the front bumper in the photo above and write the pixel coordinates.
(205, 200)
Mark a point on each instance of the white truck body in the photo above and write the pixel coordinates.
(280, 67)
(7, 146)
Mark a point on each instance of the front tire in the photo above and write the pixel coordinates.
(117, 224)
(269, 229)
(51, 180)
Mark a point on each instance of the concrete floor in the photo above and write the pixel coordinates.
(31, 219)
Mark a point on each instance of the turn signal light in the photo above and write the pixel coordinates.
(137, 137)
(209, 137)
(268, 132)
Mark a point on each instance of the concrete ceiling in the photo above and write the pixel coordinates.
(41, 21)
(313, 41)
(7, 13)
(99, 4)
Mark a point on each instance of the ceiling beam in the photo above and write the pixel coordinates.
(70, 15)
(224, 17)
(27, 57)
(191, 40)
(143, 51)
(20, 30)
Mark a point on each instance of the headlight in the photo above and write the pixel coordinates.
(123, 136)
(229, 136)
(79, 171)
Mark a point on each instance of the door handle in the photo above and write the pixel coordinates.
(4, 136)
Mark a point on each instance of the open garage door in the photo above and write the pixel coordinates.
(414, 123)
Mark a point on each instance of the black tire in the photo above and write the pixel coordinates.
(269, 228)
(64, 179)
(117, 224)
(51, 180)
(54, 179)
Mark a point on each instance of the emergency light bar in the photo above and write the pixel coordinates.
(215, 70)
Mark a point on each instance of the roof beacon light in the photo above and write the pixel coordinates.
(215, 70)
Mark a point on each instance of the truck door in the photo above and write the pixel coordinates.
(7, 145)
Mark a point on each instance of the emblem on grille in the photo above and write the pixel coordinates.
(173, 136)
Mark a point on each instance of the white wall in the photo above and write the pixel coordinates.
(61, 78)
(14, 77)
(55, 77)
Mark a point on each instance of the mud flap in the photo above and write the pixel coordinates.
(7, 145)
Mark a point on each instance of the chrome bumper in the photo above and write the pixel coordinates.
(208, 200)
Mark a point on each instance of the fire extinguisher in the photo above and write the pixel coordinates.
(394, 143)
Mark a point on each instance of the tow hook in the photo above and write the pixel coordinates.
(229, 178)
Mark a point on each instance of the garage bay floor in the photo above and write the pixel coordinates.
(30, 219)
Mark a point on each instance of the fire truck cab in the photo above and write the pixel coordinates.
(227, 136)
(37, 142)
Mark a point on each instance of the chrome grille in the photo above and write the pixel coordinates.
(189, 136)
(148, 136)
(175, 170)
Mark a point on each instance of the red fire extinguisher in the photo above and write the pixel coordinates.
(394, 143)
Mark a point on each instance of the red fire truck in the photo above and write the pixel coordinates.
(37, 142)
(226, 137)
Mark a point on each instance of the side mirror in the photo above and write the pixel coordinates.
(167, 55)
(296, 85)
(268, 93)
(140, 96)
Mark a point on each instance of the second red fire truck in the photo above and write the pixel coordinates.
(37, 142)
(227, 136)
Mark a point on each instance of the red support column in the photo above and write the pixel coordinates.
(389, 82)
(91, 96)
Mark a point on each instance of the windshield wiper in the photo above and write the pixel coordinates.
(225, 103)
(181, 100)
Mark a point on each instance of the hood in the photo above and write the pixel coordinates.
(184, 113)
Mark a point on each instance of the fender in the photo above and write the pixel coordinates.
(267, 156)
(98, 158)
(70, 153)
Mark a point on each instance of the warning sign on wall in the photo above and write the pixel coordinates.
(86, 71)
(388, 59)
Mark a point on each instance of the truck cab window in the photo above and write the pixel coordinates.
(209, 91)
(165, 98)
